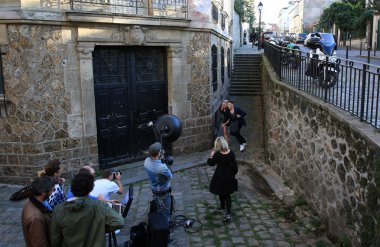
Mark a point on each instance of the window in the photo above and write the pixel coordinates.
(215, 13)
(222, 63)
(229, 62)
(223, 19)
(230, 28)
(1, 74)
(214, 67)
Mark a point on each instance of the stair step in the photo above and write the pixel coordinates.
(245, 80)
(249, 86)
(247, 61)
(246, 75)
(245, 94)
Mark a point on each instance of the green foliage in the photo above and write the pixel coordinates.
(245, 8)
(299, 201)
(344, 241)
(348, 15)
(354, 2)
(321, 243)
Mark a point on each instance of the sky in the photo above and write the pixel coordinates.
(271, 8)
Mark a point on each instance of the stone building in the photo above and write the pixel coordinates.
(304, 13)
(81, 78)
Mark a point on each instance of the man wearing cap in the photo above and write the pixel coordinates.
(160, 176)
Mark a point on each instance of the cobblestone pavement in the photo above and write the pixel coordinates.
(256, 219)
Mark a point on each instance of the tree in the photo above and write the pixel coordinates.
(245, 8)
(345, 15)
(354, 2)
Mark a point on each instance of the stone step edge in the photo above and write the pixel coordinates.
(175, 168)
(276, 183)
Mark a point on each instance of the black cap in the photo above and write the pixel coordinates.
(155, 149)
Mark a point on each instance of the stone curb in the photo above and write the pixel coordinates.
(275, 182)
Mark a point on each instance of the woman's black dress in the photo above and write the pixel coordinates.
(223, 181)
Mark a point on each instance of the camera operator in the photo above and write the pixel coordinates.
(160, 176)
(107, 185)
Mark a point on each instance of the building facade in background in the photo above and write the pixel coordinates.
(303, 14)
(82, 79)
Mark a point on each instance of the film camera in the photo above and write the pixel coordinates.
(115, 173)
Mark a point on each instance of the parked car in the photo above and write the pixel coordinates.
(311, 40)
(267, 36)
(300, 38)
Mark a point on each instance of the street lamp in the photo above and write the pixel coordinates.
(260, 8)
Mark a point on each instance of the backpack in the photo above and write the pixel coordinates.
(138, 236)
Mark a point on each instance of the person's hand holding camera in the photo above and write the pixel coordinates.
(117, 175)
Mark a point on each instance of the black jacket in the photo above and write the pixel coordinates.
(223, 181)
(232, 117)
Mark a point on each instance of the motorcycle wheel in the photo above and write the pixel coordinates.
(285, 58)
(329, 81)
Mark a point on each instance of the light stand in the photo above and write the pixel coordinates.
(260, 6)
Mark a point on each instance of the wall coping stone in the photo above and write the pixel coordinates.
(368, 132)
(275, 182)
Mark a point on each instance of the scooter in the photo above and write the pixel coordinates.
(323, 64)
(290, 55)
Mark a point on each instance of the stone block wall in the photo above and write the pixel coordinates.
(323, 155)
(49, 83)
(36, 128)
(198, 126)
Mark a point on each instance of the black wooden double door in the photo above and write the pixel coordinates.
(130, 90)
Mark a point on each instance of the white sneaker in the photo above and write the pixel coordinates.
(245, 144)
(242, 147)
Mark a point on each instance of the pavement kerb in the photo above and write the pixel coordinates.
(275, 182)
(184, 163)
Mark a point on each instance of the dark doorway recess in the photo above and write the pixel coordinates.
(130, 90)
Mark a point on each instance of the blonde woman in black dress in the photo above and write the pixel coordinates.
(223, 182)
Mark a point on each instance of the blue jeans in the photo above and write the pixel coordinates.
(163, 205)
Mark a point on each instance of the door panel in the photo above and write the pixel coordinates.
(130, 90)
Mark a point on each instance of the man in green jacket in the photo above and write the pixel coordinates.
(83, 221)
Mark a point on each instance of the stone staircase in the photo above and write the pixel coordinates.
(246, 76)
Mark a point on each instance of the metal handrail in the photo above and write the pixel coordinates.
(355, 90)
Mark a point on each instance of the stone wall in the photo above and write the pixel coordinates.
(197, 132)
(327, 156)
(48, 79)
(36, 128)
(237, 34)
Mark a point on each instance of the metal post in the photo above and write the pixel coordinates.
(259, 42)
(350, 40)
(299, 69)
(363, 92)
(374, 49)
(325, 76)
(361, 46)
(346, 55)
(369, 54)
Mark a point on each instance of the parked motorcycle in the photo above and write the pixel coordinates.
(290, 54)
(323, 64)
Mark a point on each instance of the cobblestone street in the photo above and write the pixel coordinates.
(256, 219)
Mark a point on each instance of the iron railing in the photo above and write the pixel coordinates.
(356, 87)
(164, 8)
